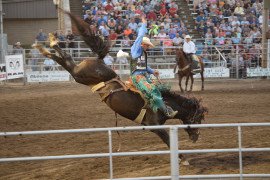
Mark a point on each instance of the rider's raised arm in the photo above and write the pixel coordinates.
(136, 49)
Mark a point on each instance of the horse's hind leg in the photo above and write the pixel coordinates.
(192, 81)
(202, 78)
(187, 78)
(67, 61)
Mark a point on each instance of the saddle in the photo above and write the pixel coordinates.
(194, 63)
(128, 85)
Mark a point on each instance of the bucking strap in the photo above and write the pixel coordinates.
(140, 117)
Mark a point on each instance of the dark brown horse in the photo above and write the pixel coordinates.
(185, 69)
(128, 104)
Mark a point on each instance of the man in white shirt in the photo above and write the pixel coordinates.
(189, 46)
(190, 49)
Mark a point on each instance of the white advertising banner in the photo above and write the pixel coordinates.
(3, 74)
(47, 76)
(14, 66)
(166, 73)
(255, 72)
(215, 72)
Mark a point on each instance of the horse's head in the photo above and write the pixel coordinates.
(195, 113)
(179, 55)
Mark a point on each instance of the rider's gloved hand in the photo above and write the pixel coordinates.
(156, 73)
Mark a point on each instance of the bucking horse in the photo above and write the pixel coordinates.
(95, 73)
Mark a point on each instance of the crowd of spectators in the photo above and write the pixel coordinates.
(229, 21)
(120, 20)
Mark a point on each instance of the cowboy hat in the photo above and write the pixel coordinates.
(147, 41)
(187, 37)
(122, 54)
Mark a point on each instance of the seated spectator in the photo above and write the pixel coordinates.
(104, 30)
(219, 40)
(127, 31)
(200, 18)
(111, 24)
(177, 40)
(87, 13)
(209, 37)
(153, 30)
(162, 34)
(90, 20)
(126, 42)
(152, 16)
(119, 31)
(257, 36)
(163, 12)
(235, 39)
(239, 11)
(112, 37)
(133, 25)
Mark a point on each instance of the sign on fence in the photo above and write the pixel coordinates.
(47, 76)
(215, 72)
(256, 72)
(3, 73)
(14, 66)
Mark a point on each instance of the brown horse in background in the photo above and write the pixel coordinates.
(128, 104)
(185, 69)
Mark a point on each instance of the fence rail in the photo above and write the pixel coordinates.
(174, 150)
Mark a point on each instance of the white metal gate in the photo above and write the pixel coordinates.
(174, 150)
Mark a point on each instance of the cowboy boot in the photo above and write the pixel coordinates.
(168, 111)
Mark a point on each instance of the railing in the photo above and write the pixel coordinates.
(174, 150)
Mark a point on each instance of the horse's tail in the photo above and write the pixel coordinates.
(96, 43)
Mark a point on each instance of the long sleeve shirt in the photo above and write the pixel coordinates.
(137, 50)
(189, 47)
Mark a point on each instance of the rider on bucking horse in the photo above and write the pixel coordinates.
(141, 73)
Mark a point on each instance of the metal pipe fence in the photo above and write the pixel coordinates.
(174, 149)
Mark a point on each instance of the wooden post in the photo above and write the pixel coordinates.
(264, 31)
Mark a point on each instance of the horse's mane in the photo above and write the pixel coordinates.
(179, 53)
(182, 99)
(96, 43)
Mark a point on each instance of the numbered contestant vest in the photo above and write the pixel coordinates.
(139, 63)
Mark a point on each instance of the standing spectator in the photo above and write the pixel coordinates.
(48, 64)
(61, 38)
(17, 49)
(41, 36)
(35, 55)
(70, 39)
(108, 60)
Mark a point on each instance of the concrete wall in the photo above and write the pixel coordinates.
(25, 30)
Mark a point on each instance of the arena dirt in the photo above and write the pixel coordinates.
(72, 106)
